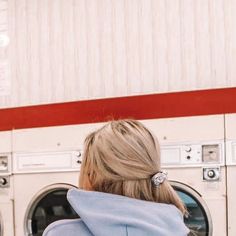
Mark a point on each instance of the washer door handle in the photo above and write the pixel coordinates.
(29, 223)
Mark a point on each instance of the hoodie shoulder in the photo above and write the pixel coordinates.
(120, 215)
(73, 227)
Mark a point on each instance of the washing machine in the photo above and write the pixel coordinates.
(200, 184)
(46, 163)
(192, 153)
(230, 127)
(6, 186)
(41, 181)
(6, 196)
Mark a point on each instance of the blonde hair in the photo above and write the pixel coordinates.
(120, 158)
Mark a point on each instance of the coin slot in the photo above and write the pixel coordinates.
(210, 153)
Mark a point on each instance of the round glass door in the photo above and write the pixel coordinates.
(48, 206)
(198, 219)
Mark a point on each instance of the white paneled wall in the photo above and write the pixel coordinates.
(65, 50)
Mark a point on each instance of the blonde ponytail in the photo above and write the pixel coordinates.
(121, 158)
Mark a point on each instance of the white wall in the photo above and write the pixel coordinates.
(64, 50)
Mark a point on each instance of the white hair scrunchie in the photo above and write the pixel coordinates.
(159, 178)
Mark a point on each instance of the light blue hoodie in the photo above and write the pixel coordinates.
(104, 214)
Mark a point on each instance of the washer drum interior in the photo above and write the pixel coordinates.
(199, 219)
(49, 205)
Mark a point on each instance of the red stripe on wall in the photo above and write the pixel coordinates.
(203, 102)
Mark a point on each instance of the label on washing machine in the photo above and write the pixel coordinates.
(43, 162)
(211, 186)
(170, 155)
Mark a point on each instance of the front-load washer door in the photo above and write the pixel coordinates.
(49, 205)
(198, 219)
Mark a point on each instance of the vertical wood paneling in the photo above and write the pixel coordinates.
(230, 35)
(68, 53)
(21, 30)
(203, 46)
(56, 50)
(33, 69)
(45, 88)
(105, 16)
(96, 87)
(146, 46)
(5, 77)
(174, 40)
(81, 49)
(78, 49)
(217, 43)
(159, 35)
(132, 19)
(187, 18)
(119, 49)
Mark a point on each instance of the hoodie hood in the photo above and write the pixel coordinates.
(106, 214)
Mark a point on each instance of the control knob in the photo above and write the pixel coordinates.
(79, 158)
(3, 182)
(188, 149)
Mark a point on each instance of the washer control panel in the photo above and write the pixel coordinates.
(47, 161)
(192, 154)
